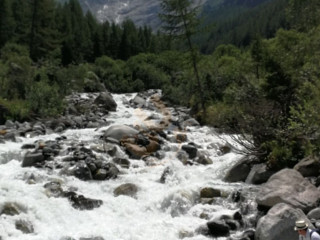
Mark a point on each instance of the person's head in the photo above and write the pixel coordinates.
(301, 227)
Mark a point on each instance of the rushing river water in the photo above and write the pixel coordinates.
(158, 212)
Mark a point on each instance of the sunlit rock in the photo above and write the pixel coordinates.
(119, 131)
(135, 151)
(289, 186)
(279, 223)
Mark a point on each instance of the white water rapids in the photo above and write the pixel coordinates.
(149, 216)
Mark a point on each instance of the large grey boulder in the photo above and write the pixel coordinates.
(119, 131)
(240, 171)
(289, 186)
(279, 223)
(314, 214)
(106, 100)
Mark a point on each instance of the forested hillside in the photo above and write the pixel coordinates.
(265, 86)
(238, 22)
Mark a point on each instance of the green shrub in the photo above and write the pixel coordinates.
(18, 109)
(44, 99)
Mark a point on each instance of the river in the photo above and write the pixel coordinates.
(158, 212)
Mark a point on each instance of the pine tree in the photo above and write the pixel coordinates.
(106, 38)
(115, 37)
(44, 36)
(181, 21)
(6, 22)
(21, 11)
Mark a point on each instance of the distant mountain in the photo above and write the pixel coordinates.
(142, 12)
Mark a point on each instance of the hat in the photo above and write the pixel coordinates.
(300, 225)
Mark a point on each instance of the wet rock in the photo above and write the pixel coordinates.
(181, 137)
(166, 172)
(10, 136)
(191, 150)
(123, 162)
(32, 158)
(259, 174)
(91, 238)
(218, 228)
(159, 154)
(10, 209)
(183, 157)
(233, 225)
(191, 122)
(24, 226)
(128, 189)
(112, 171)
(209, 193)
(110, 149)
(309, 167)
(53, 189)
(225, 149)
(82, 203)
(204, 160)
(28, 146)
(101, 174)
(82, 171)
(248, 234)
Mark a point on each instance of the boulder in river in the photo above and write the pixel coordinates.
(119, 131)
